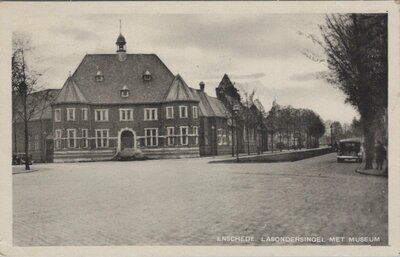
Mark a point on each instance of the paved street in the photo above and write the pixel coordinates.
(191, 202)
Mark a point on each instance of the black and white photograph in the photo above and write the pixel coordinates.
(201, 124)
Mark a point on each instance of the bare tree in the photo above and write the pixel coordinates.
(248, 101)
(27, 102)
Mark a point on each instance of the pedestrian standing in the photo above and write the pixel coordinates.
(380, 155)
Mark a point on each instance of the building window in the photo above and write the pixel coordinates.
(36, 142)
(99, 76)
(225, 138)
(150, 114)
(57, 137)
(170, 112)
(101, 115)
(147, 76)
(170, 135)
(30, 142)
(84, 113)
(183, 112)
(124, 91)
(195, 112)
(125, 114)
(71, 135)
(219, 137)
(184, 133)
(85, 140)
(196, 134)
(101, 138)
(151, 135)
(57, 115)
(70, 113)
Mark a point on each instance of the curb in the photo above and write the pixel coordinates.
(382, 174)
(24, 172)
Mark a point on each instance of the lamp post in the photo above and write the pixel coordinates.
(259, 142)
(212, 141)
(236, 114)
(44, 146)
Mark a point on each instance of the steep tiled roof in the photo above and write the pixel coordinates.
(209, 106)
(226, 82)
(117, 74)
(44, 98)
(227, 88)
(217, 106)
(204, 107)
(70, 93)
(179, 91)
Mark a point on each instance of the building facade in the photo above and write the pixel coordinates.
(117, 101)
(40, 126)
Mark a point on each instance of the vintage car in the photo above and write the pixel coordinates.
(350, 149)
(19, 158)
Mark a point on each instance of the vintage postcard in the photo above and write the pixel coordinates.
(200, 128)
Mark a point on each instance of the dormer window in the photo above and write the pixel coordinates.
(124, 91)
(99, 76)
(147, 76)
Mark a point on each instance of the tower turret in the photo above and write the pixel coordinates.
(121, 45)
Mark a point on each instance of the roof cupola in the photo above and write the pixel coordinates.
(121, 45)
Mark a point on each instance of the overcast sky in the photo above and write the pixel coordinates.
(258, 51)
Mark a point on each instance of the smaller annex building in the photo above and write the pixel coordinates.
(40, 132)
(117, 101)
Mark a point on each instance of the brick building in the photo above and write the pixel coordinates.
(40, 126)
(117, 101)
(249, 124)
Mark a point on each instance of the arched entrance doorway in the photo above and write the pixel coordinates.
(127, 140)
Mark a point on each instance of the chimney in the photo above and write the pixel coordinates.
(202, 85)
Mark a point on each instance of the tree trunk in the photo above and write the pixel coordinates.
(15, 136)
(369, 142)
(288, 139)
(26, 136)
(272, 142)
(248, 139)
(233, 140)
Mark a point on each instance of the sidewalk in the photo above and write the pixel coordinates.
(244, 156)
(373, 172)
(21, 170)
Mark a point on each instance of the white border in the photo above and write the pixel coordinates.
(42, 8)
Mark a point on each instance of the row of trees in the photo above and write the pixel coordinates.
(356, 50)
(293, 127)
(344, 130)
(286, 127)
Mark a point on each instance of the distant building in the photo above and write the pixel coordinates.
(250, 127)
(40, 128)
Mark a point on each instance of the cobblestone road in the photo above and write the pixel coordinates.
(190, 202)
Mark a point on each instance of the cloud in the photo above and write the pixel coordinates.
(249, 76)
(77, 34)
(233, 76)
(307, 76)
(255, 36)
